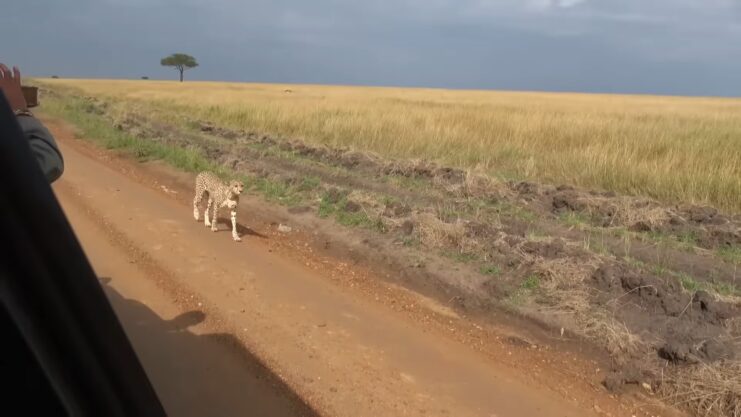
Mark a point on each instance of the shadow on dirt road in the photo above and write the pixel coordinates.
(199, 375)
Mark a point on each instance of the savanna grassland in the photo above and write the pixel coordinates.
(617, 218)
(675, 149)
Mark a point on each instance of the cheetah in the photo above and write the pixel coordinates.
(219, 195)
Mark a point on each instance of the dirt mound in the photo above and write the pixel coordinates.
(679, 349)
(396, 209)
(660, 295)
(552, 249)
(704, 215)
(683, 327)
(704, 225)
(220, 131)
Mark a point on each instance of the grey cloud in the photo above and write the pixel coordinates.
(661, 46)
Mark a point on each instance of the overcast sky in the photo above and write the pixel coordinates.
(638, 46)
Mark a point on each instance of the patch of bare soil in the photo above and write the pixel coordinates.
(665, 313)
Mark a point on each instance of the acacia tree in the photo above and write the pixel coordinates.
(180, 62)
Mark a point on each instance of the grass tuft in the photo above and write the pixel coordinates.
(490, 270)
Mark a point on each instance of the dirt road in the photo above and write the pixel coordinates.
(227, 329)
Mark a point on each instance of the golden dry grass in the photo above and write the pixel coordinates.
(670, 148)
(711, 390)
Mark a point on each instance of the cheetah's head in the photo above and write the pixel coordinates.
(236, 187)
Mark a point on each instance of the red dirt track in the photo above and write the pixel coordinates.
(257, 328)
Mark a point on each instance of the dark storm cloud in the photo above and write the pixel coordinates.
(659, 46)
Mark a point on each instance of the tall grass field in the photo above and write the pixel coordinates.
(675, 149)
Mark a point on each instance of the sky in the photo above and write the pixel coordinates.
(677, 47)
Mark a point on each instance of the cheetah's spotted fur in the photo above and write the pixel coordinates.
(219, 195)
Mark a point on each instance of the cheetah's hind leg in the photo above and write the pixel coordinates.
(214, 218)
(206, 220)
(197, 201)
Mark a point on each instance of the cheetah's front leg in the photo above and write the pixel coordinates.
(235, 236)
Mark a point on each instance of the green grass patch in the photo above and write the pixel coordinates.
(329, 208)
(259, 146)
(507, 209)
(659, 270)
(326, 207)
(727, 289)
(526, 288)
(730, 254)
(594, 241)
(621, 231)
(532, 282)
(687, 240)
(574, 219)
(309, 183)
(354, 219)
(98, 130)
(636, 263)
(491, 270)
(410, 183)
(689, 283)
(655, 237)
(278, 192)
(448, 213)
(537, 236)
(410, 241)
(721, 288)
